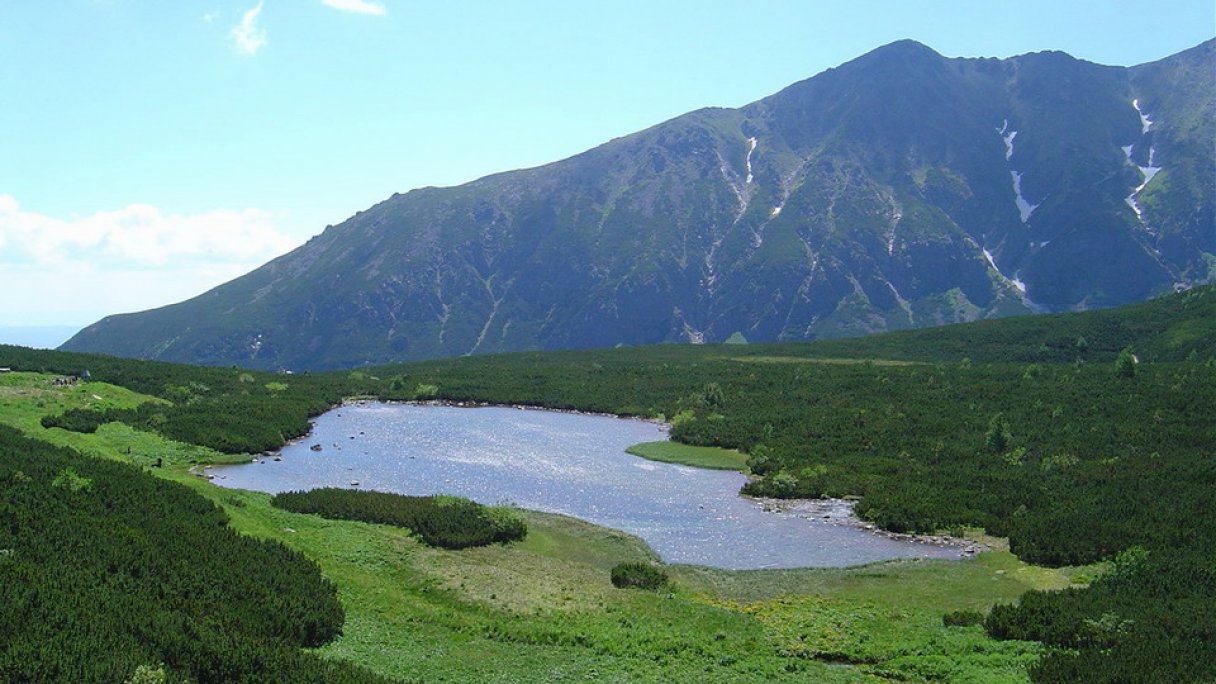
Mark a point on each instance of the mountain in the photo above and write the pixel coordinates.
(901, 189)
(1173, 328)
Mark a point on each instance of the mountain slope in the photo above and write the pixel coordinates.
(901, 189)
(1173, 328)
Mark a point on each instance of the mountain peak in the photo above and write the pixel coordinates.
(901, 53)
(902, 48)
(901, 189)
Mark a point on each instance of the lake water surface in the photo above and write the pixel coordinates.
(564, 463)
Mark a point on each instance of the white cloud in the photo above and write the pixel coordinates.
(357, 6)
(247, 36)
(76, 271)
(139, 234)
(82, 295)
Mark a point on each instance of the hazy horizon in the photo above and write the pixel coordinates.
(37, 336)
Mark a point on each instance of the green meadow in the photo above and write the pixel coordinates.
(1087, 473)
(544, 610)
(715, 458)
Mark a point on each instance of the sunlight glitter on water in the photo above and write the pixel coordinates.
(570, 464)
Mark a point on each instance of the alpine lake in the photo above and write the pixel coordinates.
(575, 465)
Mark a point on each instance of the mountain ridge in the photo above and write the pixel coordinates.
(900, 189)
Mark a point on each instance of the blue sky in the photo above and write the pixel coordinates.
(150, 150)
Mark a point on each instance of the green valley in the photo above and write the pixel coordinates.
(1101, 479)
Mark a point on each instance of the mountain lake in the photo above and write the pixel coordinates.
(573, 464)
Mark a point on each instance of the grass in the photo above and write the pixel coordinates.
(888, 615)
(26, 397)
(715, 458)
(545, 610)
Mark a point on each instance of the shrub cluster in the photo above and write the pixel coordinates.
(104, 569)
(1147, 620)
(445, 521)
(638, 575)
(230, 424)
(75, 420)
(963, 618)
(227, 409)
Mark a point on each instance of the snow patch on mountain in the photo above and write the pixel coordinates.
(1150, 170)
(1145, 122)
(1008, 138)
(1147, 173)
(751, 147)
(991, 261)
(1015, 281)
(1025, 209)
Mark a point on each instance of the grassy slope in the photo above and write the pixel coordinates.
(714, 458)
(26, 397)
(544, 609)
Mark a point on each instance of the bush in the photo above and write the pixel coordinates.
(1125, 365)
(446, 521)
(784, 485)
(997, 438)
(639, 575)
(75, 420)
(963, 618)
(760, 461)
(105, 570)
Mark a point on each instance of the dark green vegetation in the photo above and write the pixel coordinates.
(1148, 620)
(445, 521)
(104, 568)
(1039, 435)
(859, 200)
(544, 608)
(226, 409)
(1073, 462)
(639, 576)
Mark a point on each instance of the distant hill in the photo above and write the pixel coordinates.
(900, 190)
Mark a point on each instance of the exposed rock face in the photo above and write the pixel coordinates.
(900, 189)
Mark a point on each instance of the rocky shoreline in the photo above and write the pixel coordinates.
(841, 512)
